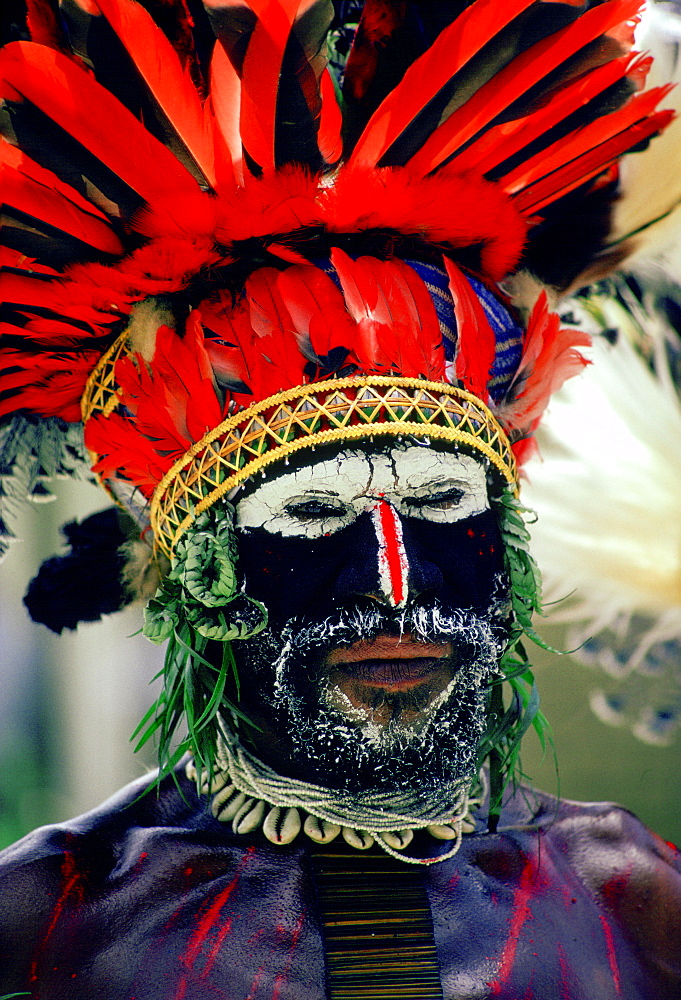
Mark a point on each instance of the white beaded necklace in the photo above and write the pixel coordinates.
(250, 795)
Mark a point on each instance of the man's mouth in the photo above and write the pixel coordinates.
(392, 677)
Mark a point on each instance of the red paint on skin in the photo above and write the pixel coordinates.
(521, 913)
(565, 993)
(612, 957)
(215, 950)
(614, 890)
(454, 881)
(295, 937)
(71, 885)
(392, 551)
(205, 926)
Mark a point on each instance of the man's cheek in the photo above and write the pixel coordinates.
(291, 576)
(468, 555)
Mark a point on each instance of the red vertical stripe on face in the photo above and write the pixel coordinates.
(393, 570)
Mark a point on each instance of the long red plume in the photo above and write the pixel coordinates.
(549, 358)
(170, 83)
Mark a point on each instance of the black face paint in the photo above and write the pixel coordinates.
(456, 564)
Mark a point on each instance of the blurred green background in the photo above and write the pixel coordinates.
(70, 703)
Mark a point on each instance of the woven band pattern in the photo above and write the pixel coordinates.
(101, 390)
(341, 410)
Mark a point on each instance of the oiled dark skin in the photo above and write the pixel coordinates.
(155, 900)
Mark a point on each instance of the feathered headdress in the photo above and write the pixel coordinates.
(237, 234)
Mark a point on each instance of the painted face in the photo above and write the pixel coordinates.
(395, 526)
(382, 574)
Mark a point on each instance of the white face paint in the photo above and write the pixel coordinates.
(325, 496)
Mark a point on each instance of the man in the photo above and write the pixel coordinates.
(309, 392)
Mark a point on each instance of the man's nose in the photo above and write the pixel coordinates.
(385, 563)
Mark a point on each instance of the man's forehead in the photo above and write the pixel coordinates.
(353, 475)
(377, 470)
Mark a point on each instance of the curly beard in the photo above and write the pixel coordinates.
(340, 746)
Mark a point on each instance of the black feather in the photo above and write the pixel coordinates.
(86, 582)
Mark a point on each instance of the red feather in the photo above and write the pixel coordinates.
(45, 383)
(19, 261)
(232, 357)
(280, 364)
(46, 334)
(97, 120)
(95, 305)
(590, 164)
(367, 304)
(43, 24)
(151, 412)
(503, 141)
(171, 403)
(549, 358)
(123, 453)
(261, 75)
(380, 21)
(330, 122)
(421, 341)
(584, 140)
(183, 376)
(450, 208)
(452, 49)
(397, 329)
(516, 79)
(225, 103)
(39, 193)
(317, 309)
(170, 83)
(476, 343)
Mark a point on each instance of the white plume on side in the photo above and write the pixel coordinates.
(607, 489)
(607, 494)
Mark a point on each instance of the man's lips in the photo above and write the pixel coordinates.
(392, 673)
(396, 663)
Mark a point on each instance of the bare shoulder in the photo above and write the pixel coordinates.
(633, 873)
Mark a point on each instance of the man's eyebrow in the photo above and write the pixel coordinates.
(440, 484)
(326, 493)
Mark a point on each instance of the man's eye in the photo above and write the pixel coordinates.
(444, 500)
(314, 510)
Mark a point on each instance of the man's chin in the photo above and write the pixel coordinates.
(409, 740)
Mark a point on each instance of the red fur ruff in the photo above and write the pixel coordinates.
(451, 209)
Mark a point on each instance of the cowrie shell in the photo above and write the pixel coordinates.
(220, 781)
(249, 817)
(442, 831)
(320, 830)
(398, 839)
(227, 803)
(359, 839)
(282, 826)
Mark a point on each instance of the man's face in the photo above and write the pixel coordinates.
(382, 571)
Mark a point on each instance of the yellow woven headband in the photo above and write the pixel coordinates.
(338, 411)
(335, 411)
